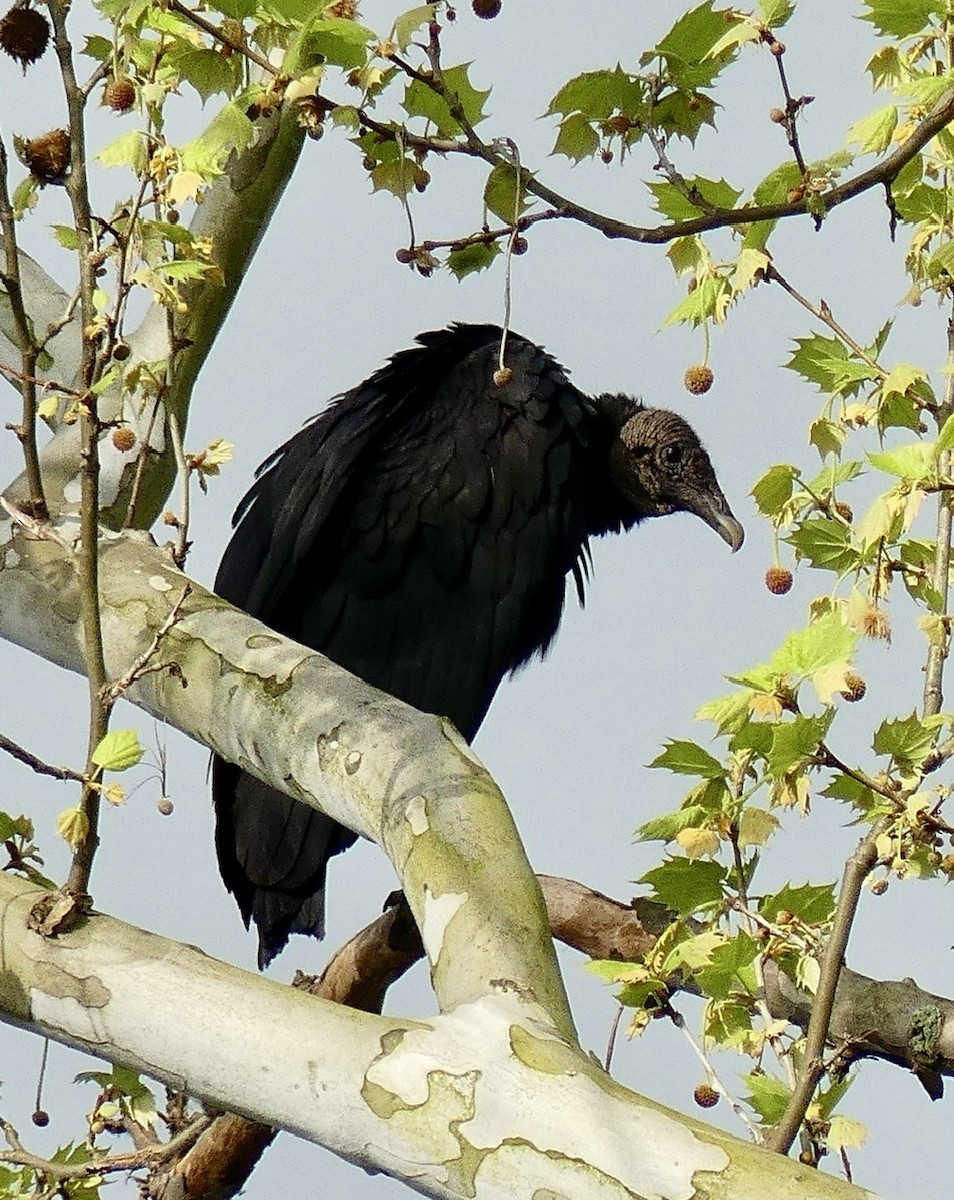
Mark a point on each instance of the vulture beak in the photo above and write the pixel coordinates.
(714, 509)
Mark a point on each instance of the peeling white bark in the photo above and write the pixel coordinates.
(485, 1102)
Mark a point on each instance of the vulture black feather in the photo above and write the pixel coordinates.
(420, 533)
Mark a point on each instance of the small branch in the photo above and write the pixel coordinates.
(823, 313)
(680, 1023)
(221, 36)
(856, 871)
(181, 548)
(827, 759)
(77, 881)
(29, 351)
(883, 172)
(143, 664)
(60, 1172)
(792, 106)
(937, 654)
(37, 764)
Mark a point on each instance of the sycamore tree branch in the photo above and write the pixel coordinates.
(882, 173)
(309, 728)
(485, 1099)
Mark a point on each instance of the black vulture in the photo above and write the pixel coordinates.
(420, 532)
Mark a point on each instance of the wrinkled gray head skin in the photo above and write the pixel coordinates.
(660, 466)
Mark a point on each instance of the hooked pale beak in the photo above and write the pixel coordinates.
(714, 510)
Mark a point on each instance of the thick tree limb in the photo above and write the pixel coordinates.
(483, 1101)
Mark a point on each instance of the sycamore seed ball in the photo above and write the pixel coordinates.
(502, 377)
(705, 1095)
(123, 438)
(485, 9)
(24, 34)
(119, 94)
(778, 580)
(698, 379)
(47, 156)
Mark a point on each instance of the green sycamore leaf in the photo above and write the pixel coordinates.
(687, 49)
(775, 187)
(826, 544)
(796, 741)
(812, 903)
(767, 1096)
(775, 13)
(597, 95)
(729, 713)
(128, 150)
(502, 194)
(118, 750)
(843, 787)
(873, 133)
(774, 490)
(476, 257)
(834, 474)
(901, 18)
(901, 377)
(738, 34)
(66, 235)
(686, 887)
(826, 436)
(688, 758)
(756, 826)
(729, 966)
(407, 24)
(422, 101)
(669, 825)
(827, 364)
(826, 641)
(908, 740)
(576, 138)
(230, 129)
(209, 72)
(333, 40)
(700, 195)
(708, 302)
(912, 462)
(687, 254)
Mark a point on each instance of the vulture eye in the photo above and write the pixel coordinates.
(672, 454)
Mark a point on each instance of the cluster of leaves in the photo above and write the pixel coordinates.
(777, 727)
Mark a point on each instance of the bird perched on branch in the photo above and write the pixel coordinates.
(420, 533)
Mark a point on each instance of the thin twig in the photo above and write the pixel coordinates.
(792, 106)
(857, 869)
(680, 1023)
(937, 653)
(37, 764)
(823, 313)
(143, 664)
(134, 1160)
(181, 548)
(29, 351)
(77, 189)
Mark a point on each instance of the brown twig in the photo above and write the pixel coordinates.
(143, 664)
(77, 882)
(857, 869)
(37, 764)
(937, 653)
(29, 350)
(109, 1164)
(823, 313)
